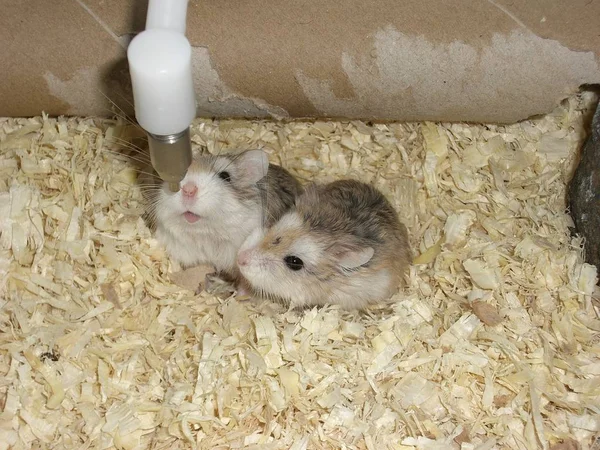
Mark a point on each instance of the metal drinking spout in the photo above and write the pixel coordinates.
(160, 65)
(171, 155)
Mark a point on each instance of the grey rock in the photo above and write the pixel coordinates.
(583, 196)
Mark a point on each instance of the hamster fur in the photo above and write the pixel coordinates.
(342, 243)
(221, 200)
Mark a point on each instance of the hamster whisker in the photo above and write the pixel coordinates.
(225, 139)
(139, 158)
(154, 186)
(131, 146)
(266, 295)
(264, 198)
(212, 161)
(152, 182)
(127, 157)
(123, 115)
(111, 101)
(154, 208)
(270, 260)
(151, 191)
(153, 204)
(150, 217)
(155, 179)
(213, 158)
(124, 98)
(150, 220)
(152, 214)
(272, 297)
(266, 216)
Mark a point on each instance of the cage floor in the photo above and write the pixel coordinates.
(494, 343)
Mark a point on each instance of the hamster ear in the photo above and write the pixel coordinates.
(355, 257)
(254, 164)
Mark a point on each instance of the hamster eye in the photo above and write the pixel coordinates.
(293, 262)
(225, 176)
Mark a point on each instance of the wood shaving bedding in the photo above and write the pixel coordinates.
(494, 344)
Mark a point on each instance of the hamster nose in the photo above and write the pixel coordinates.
(189, 189)
(243, 258)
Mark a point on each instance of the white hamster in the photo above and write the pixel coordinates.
(342, 243)
(221, 200)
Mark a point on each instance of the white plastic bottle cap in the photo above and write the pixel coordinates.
(160, 64)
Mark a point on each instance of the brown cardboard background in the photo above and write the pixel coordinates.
(451, 60)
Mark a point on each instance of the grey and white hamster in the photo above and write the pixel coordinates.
(342, 243)
(221, 201)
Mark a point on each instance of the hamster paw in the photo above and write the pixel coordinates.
(243, 289)
(243, 293)
(218, 285)
(209, 283)
(209, 280)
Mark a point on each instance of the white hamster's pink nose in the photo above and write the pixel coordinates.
(189, 189)
(243, 258)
